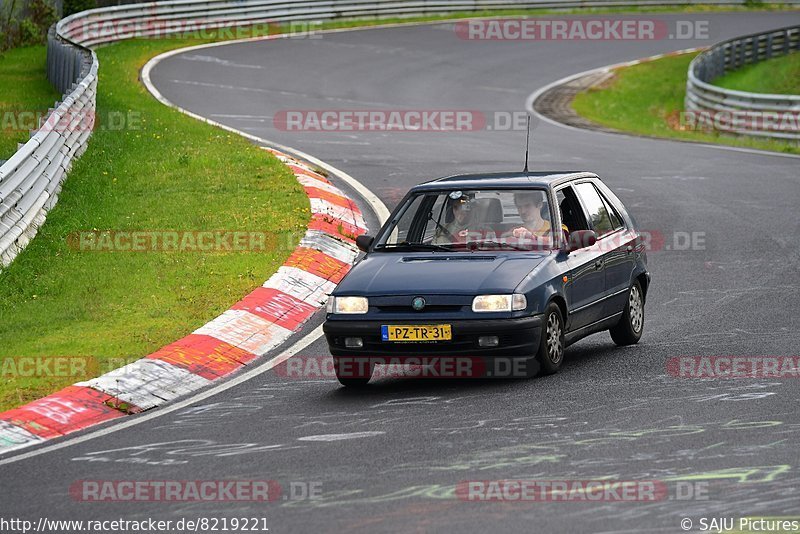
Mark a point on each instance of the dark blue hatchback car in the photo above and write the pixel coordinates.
(492, 266)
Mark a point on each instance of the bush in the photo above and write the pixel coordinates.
(76, 6)
(25, 23)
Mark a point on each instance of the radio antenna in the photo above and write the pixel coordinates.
(527, 144)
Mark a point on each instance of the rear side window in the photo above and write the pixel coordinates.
(596, 209)
(572, 215)
(616, 220)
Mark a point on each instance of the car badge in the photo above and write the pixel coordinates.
(418, 303)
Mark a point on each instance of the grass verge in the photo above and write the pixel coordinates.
(647, 99)
(780, 76)
(25, 94)
(148, 167)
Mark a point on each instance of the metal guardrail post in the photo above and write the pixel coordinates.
(759, 115)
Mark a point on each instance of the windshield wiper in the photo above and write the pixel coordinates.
(480, 244)
(405, 245)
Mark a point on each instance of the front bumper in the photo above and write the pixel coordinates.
(518, 338)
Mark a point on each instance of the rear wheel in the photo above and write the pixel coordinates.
(551, 344)
(629, 329)
(353, 372)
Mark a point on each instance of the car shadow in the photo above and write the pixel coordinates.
(581, 358)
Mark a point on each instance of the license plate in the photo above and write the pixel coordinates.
(421, 332)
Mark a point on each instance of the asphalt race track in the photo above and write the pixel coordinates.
(400, 447)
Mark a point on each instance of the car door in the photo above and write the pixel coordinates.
(615, 241)
(586, 286)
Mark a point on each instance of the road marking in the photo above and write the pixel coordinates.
(340, 437)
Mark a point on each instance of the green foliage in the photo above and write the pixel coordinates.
(76, 6)
(25, 23)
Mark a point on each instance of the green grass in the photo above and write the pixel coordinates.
(167, 172)
(780, 75)
(24, 94)
(648, 98)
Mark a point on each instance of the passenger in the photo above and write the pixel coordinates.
(535, 227)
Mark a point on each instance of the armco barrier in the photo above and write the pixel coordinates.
(753, 110)
(31, 179)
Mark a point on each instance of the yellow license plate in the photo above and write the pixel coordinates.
(417, 332)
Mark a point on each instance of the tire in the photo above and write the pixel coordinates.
(551, 343)
(631, 325)
(356, 373)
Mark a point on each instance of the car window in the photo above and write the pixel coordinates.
(616, 220)
(595, 208)
(403, 227)
(438, 216)
(513, 219)
(572, 215)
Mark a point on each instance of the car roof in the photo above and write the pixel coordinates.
(503, 180)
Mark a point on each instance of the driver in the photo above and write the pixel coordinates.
(456, 231)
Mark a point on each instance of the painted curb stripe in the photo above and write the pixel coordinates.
(258, 323)
(339, 229)
(307, 183)
(319, 205)
(204, 355)
(65, 411)
(333, 198)
(146, 383)
(13, 437)
(302, 285)
(319, 263)
(343, 251)
(245, 330)
(274, 305)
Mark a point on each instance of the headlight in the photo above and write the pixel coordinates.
(499, 303)
(348, 305)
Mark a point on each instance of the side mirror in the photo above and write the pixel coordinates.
(363, 242)
(581, 239)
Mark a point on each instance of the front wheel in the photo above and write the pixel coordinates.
(629, 329)
(353, 372)
(551, 344)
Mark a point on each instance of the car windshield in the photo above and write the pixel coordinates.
(480, 219)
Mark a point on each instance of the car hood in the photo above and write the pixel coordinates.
(392, 273)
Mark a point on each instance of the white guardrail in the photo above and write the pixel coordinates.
(740, 112)
(31, 180)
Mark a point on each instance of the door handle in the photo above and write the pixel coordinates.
(598, 264)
